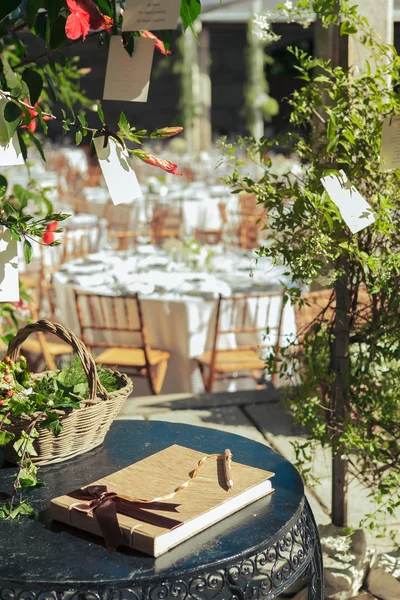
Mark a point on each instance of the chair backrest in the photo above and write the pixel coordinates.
(248, 206)
(101, 317)
(318, 305)
(166, 222)
(119, 217)
(25, 314)
(77, 244)
(249, 321)
(208, 236)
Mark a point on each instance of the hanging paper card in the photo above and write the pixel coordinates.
(10, 151)
(128, 77)
(355, 210)
(150, 14)
(9, 287)
(390, 146)
(120, 178)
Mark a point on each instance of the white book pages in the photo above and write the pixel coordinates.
(10, 151)
(9, 283)
(355, 210)
(390, 145)
(120, 177)
(128, 77)
(142, 15)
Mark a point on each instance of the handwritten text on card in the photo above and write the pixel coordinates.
(150, 14)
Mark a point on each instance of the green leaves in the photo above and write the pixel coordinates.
(190, 10)
(34, 81)
(27, 251)
(12, 114)
(5, 437)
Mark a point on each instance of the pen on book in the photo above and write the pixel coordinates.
(227, 468)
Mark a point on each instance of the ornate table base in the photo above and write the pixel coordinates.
(259, 576)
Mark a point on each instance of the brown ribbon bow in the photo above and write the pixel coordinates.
(105, 505)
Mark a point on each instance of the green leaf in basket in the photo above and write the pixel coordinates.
(81, 389)
(52, 423)
(6, 437)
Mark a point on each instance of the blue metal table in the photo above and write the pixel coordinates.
(255, 554)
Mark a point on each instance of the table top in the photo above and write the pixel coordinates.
(38, 552)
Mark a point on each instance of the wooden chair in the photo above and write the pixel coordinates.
(252, 218)
(320, 305)
(240, 317)
(102, 317)
(165, 223)
(38, 346)
(76, 245)
(119, 217)
(210, 237)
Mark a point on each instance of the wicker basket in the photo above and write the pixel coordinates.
(84, 428)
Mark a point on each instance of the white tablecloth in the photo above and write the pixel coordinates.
(180, 321)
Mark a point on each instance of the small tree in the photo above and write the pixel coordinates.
(349, 367)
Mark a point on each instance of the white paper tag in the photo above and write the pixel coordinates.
(10, 151)
(150, 14)
(390, 145)
(9, 285)
(120, 178)
(128, 77)
(355, 210)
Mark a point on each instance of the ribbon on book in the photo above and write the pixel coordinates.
(105, 505)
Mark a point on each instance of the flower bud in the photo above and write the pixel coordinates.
(10, 393)
(166, 132)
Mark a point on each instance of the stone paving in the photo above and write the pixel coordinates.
(261, 416)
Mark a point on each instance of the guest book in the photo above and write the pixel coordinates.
(162, 500)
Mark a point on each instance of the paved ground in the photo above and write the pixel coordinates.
(258, 415)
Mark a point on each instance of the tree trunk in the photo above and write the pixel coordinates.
(340, 361)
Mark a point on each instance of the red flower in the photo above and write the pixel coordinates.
(7, 379)
(164, 164)
(33, 113)
(48, 237)
(21, 305)
(84, 16)
(9, 393)
(166, 132)
(52, 226)
(1, 402)
(157, 42)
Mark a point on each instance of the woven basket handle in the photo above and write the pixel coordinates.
(88, 364)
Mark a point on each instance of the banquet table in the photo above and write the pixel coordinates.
(179, 304)
(258, 552)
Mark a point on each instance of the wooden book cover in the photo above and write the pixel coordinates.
(205, 501)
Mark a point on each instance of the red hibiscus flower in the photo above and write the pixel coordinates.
(33, 113)
(84, 16)
(48, 236)
(157, 42)
(164, 164)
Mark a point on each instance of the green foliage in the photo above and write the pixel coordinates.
(41, 402)
(336, 120)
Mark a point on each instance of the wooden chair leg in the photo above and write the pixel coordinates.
(205, 379)
(160, 375)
